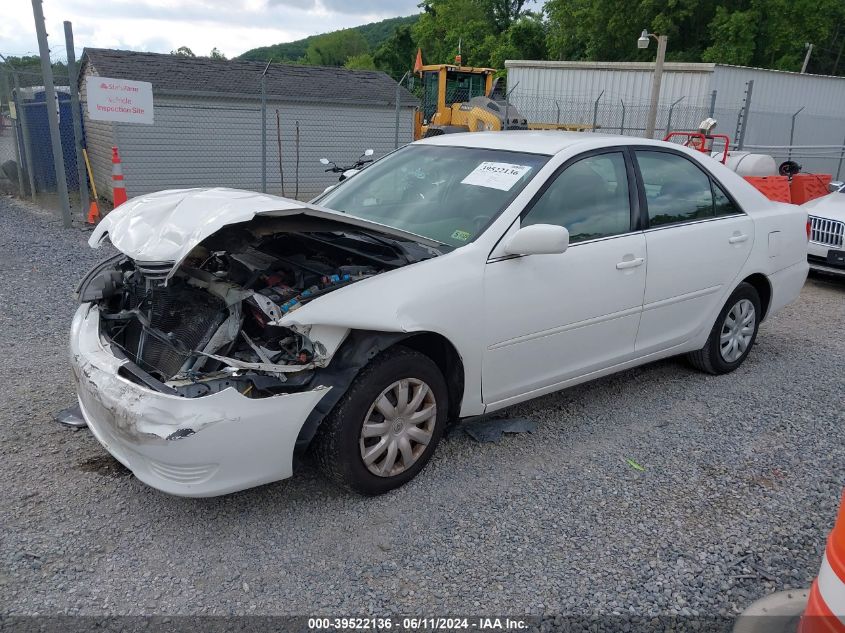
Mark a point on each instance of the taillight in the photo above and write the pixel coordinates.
(808, 230)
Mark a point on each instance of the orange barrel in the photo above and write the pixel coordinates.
(825, 612)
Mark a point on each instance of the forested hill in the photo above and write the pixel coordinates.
(374, 34)
(763, 33)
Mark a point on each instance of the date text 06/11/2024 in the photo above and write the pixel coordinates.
(416, 624)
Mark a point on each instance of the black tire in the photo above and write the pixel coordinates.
(709, 358)
(337, 443)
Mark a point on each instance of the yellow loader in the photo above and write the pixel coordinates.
(461, 99)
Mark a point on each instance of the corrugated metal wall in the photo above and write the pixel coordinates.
(775, 98)
(782, 91)
(99, 137)
(630, 81)
(613, 97)
(567, 92)
(216, 142)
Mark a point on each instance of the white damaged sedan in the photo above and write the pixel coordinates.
(456, 276)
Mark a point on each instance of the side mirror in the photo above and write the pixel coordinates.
(324, 161)
(368, 152)
(836, 186)
(538, 239)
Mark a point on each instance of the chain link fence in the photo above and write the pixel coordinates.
(815, 141)
(26, 155)
(218, 140)
(608, 114)
(207, 139)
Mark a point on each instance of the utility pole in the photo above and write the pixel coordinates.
(52, 115)
(643, 42)
(839, 54)
(263, 128)
(76, 114)
(806, 57)
(398, 99)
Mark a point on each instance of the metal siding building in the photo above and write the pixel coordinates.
(207, 129)
(630, 81)
(570, 91)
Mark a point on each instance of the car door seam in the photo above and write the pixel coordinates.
(680, 298)
(566, 328)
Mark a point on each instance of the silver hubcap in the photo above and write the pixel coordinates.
(737, 330)
(398, 427)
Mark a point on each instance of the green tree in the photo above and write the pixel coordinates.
(28, 68)
(607, 30)
(505, 12)
(476, 24)
(397, 53)
(183, 51)
(524, 39)
(216, 54)
(333, 49)
(773, 33)
(375, 33)
(362, 61)
(765, 33)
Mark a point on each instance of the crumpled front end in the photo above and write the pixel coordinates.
(193, 373)
(192, 447)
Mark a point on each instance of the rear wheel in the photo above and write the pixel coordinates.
(733, 334)
(387, 425)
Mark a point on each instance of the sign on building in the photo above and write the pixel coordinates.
(120, 100)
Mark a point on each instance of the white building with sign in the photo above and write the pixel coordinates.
(196, 122)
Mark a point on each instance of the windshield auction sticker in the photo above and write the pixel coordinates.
(496, 175)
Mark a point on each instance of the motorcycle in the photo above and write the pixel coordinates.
(351, 170)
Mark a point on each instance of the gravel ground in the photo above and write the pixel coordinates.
(741, 482)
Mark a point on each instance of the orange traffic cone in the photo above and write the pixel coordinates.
(118, 188)
(93, 213)
(93, 209)
(825, 611)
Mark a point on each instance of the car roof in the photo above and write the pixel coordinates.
(535, 141)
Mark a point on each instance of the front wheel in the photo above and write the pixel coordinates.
(385, 428)
(733, 334)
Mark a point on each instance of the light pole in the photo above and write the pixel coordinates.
(643, 42)
(809, 48)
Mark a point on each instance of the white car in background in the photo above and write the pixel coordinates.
(826, 248)
(456, 276)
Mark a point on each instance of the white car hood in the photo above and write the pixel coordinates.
(831, 206)
(164, 227)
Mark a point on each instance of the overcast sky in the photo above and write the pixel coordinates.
(233, 26)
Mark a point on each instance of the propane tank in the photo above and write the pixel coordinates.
(748, 164)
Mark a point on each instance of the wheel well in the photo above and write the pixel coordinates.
(761, 284)
(446, 357)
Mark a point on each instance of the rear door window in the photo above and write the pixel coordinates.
(676, 190)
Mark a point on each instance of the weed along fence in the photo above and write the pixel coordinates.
(207, 127)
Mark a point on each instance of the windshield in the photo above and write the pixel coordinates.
(448, 194)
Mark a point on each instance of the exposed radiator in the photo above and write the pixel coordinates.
(189, 315)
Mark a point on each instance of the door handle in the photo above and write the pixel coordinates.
(737, 239)
(630, 263)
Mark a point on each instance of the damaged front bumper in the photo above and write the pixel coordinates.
(194, 447)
